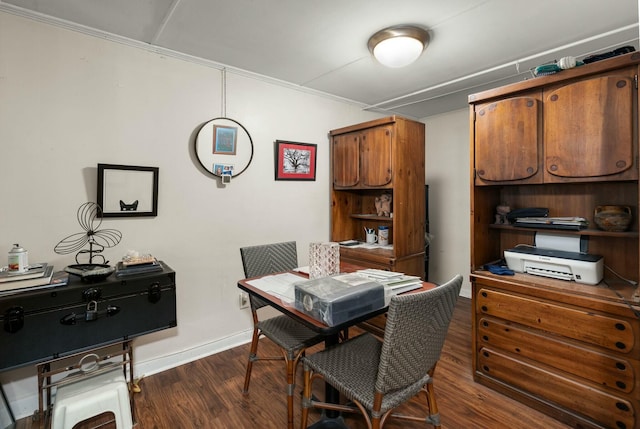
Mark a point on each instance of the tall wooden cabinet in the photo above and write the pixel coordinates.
(567, 142)
(381, 156)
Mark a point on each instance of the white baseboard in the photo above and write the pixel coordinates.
(27, 405)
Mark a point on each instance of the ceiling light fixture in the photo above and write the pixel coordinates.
(398, 46)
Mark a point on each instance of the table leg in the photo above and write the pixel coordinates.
(330, 419)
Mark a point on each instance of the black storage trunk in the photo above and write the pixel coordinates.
(50, 323)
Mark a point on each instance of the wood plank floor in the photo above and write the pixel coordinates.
(207, 393)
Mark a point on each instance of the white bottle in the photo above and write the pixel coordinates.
(18, 259)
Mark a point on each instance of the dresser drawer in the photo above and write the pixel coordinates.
(615, 372)
(598, 329)
(609, 410)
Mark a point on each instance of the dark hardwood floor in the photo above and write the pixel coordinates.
(207, 393)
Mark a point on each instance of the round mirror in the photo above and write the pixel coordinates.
(223, 147)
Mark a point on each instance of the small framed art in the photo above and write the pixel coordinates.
(127, 190)
(224, 139)
(295, 161)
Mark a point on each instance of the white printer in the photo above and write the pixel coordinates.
(559, 257)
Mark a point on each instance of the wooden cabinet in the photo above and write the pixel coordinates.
(579, 129)
(508, 143)
(381, 156)
(567, 142)
(588, 128)
(362, 159)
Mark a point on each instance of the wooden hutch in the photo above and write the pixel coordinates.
(567, 142)
(381, 156)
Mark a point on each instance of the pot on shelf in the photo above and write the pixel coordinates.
(612, 218)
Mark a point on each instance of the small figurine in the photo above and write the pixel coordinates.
(383, 205)
(502, 211)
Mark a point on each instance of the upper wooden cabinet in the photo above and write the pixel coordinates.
(362, 159)
(508, 143)
(577, 130)
(588, 128)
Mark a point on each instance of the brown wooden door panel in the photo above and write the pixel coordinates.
(507, 140)
(612, 411)
(346, 163)
(592, 328)
(589, 127)
(603, 369)
(376, 157)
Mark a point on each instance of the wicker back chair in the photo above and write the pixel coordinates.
(380, 376)
(292, 337)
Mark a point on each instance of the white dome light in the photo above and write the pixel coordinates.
(398, 46)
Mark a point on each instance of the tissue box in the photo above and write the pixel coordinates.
(340, 298)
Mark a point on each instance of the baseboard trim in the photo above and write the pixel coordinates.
(26, 406)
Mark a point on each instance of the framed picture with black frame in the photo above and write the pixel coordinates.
(295, 161)
(127, 190)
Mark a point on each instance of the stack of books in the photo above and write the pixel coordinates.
(36, 275)
(393, 282)
(570, 223)
(137, 265)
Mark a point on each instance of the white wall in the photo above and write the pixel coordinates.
(69, 101)
(447, 174)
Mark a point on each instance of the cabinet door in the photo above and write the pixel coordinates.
(375, 157)
(589, 128)
(346, 162)
(507, 141)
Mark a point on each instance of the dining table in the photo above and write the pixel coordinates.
(330, 419)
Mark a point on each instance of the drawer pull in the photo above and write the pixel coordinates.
(622, 406)
(620, 327)
(621, 366)
(620, 345)
(621, 385)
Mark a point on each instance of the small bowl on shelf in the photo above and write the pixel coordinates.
(613, 218)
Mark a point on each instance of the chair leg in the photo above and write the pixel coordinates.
(252, 356)
(306, 399)
(434, 415)
(291, 383)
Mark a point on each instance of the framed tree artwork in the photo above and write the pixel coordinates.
(295, 161)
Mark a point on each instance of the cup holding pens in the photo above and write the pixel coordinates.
(370, 236)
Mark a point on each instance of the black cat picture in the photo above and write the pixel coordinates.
(128, 207)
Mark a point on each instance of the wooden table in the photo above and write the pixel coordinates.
(332, 419)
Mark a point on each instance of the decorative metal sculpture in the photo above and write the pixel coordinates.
(98, 240)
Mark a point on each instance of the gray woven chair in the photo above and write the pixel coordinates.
(379, 376)
(292, 337)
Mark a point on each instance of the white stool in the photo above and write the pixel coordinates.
(92, 396)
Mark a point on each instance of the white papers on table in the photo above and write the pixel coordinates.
(394, 283)
(304, 269)
(279, 285)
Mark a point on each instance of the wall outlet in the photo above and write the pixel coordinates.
(243, 300)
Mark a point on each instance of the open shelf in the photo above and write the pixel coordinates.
(588, 231)
(372, 217)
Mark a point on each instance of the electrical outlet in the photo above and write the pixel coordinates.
(243, 300)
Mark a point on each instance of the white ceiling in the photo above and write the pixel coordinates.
(322, 45)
